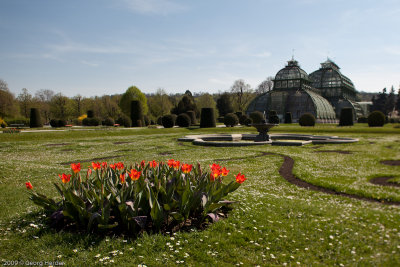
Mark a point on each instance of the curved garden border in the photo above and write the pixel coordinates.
(286, 171)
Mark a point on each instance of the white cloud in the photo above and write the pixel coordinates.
(91, 64)
(393, 50)
(163, 7)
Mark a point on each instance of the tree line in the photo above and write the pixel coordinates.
(387, 103)
(55, 105)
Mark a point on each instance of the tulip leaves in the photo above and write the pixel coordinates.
(143, 196)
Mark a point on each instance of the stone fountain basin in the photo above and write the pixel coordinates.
(227, 140)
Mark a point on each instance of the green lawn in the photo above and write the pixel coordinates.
(276, 223)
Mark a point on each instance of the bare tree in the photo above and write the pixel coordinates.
(3, 85)
(242, 94)
(25, 102)
(265, 86)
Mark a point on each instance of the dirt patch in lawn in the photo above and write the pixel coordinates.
(166, 153)
(91, 160)
(60, 144)
(384, 181)
(391, 162)
(334, 151)
(122, 142)
(286, 171)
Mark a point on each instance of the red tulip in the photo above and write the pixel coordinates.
(28, 185)
(76, 167)
(134, 174)
(104, 165)
(177, 164)
(171, 163)
(224, 171)
(96, 166)
(186, 168)
(240, 178)
(142, 163)
(153, 164)
(65, 178)
(120, 165)
(122, 178)
(215, 167)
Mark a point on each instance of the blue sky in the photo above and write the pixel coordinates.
(97, 47)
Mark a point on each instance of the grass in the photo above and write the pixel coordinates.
(276, 223)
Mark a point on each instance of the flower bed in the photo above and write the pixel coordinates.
(153, 196)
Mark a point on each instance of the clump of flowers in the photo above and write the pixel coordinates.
(144, 196)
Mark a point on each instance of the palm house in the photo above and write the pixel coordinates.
(323, 93)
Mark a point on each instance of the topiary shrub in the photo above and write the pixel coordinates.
(362, 120)
(307, 119)
(147, 121)
(238, 114)
(54, 123)
(192, 116)
(207, 118)
(248, 122)
(220, 119)
(257, 117)
(159, 120)
(273, 117)
(288, 117)
(109, 122)
(376, 119)
(183, 120)
(137, 113)
(35, 119)
(231, 120)
(242, 119)
(124, 120)
(91, 121)
(58, 123)
(346, 117)
(90, 114)
(168, 121)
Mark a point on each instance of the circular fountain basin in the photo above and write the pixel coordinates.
(227, 140)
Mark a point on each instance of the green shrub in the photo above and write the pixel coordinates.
(152, 196)
(90, 114)
(220, 119)
(257, 117)
(207, 119)
(137, 113)
(238, 113)
(362, 120)
(231, 120)
(376, 119)
(248, 122)
(58, 123)
(91, 121)
(346, 117)
(35, 119)
(109, 122)
(183, 120)
(243, 118)
(288, 117)
(273, 117)
(307, 119)
(168, 121)
(18, 120)
(124, 120)
(147, 121)
(192, 116)
(159, 120)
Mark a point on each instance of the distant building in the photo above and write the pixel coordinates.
(323, 93)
